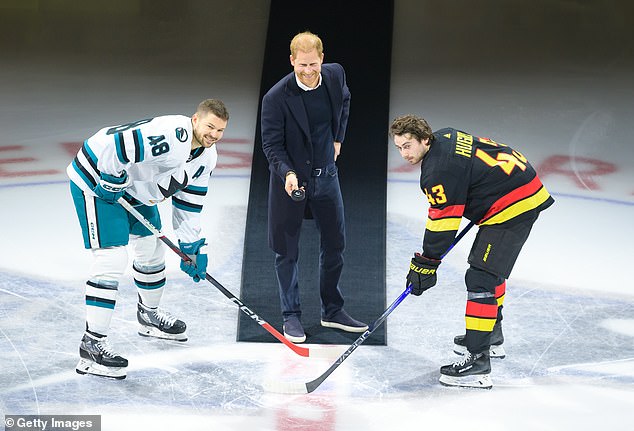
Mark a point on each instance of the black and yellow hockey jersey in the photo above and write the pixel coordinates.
(482, 180)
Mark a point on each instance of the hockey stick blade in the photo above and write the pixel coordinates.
(300, 350)
(305, 388)
(308, 387)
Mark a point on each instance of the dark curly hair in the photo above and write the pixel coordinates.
(411, 125)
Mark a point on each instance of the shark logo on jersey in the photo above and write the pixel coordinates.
(181, 134)
(173, 186)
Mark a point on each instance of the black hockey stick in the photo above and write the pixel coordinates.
(308, 387)
(302, 351)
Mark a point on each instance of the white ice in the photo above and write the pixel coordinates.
(569, 310)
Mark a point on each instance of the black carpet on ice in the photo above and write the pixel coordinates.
(358, 35)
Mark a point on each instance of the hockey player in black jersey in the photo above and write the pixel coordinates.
(492, 185)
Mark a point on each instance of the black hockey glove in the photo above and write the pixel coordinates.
(422, 273)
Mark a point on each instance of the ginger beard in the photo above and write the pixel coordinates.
(307, 67)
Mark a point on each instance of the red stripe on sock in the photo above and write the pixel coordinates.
(475, 309)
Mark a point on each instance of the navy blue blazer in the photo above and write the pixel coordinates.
(287, 145)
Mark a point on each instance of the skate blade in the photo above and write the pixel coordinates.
(479, 381)
(86, 366)
(496, 352)
(147, 331)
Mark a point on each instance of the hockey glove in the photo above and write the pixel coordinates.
(197, 252)
(422, 273)
(110, 188)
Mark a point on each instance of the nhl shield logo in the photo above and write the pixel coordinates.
(181, 134)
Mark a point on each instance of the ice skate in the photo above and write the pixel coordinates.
(496, 350)
(98, 358)
(155, 322)
(472, 371)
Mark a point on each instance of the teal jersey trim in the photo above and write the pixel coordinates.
(119, 145)
(89, 181)
(196, 190)
(138, 145)
(186, 206)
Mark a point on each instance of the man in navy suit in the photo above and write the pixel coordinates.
(304, 118)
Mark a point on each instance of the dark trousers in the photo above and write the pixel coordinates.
(491, 260)
(324, 199)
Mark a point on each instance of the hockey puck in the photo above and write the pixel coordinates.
(298, 195)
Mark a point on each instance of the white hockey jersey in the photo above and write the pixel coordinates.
(156, 153)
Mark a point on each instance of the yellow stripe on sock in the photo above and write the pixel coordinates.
(478, 324)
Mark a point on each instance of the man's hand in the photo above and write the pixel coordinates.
(337, 149)
(422, 273)
(291, 182)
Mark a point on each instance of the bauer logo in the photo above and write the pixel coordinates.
(486, 253)
(181, 134)
(423, 271)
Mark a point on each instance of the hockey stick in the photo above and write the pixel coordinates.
(302, 351)
(308, 387)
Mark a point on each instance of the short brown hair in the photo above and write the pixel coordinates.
(412, 125)
(215, 106)
(306, 42)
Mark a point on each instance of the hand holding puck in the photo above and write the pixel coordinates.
(298, 195)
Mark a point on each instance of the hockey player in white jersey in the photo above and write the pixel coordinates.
(146, 162)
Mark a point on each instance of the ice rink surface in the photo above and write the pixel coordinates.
(569, 309)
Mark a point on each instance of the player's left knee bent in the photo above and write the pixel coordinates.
(149, 254)
(480, 281)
